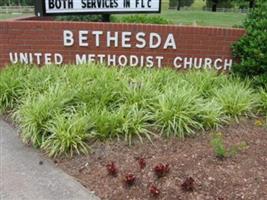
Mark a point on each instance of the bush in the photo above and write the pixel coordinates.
(251, 49)
(142, 19)
(68, 134)
(176, 112)
(80, 18)
(59, 109)
(237, 99)
(11, 86)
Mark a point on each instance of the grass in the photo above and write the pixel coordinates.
(195, 16)
(11, 15)
(60, 109)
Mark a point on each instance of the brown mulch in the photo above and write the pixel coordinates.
(241, 176)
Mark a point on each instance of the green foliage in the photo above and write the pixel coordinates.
(220, 3)
(218, 146)
(260, 81)
(59, 109)
(68, 134)
(142, 19)
(263, 97)
(251, 49)
(219, 149)
(176, 111)
(211, 114)
(236, 98)
(80, 18)
(183, 3)
(15, 2)
(11, 89)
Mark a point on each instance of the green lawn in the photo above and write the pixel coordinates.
(198, 17)
(204, 18)
(10, 16)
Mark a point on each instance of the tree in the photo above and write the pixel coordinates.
(180, 3)
(214, 4)
(251, 3)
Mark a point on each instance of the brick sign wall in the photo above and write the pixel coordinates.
(181, 47)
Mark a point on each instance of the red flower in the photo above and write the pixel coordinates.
(188, 184)
(112, 169)
(129, 179)
(154, 191)
(161, 169)
(142, 163)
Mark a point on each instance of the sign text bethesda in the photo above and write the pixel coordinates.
(126, 40)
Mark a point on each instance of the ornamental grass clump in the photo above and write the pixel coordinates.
(176, 111)
(211, 114)
(36, 110)
(125, 122)
(12, 84)
(59, 109)
(205, 81)
(237, 99)
(68, 134)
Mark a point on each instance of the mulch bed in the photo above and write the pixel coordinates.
(242, 176)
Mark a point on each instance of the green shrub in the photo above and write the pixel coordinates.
(68, 134)
(35, 111)
(211, 114)
(251, 49)
(205, 80)
(260, 81)
(142, 19)
(59, 108)
(81, 18)
(126, 122)
(263, 100)
(176, 112)
(237, 99)
(12, 81)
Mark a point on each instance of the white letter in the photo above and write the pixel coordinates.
(149, 61)
(228, 64)
(126, 38)
(159, 58)
(176, 64)
(97, 38)
(12, 60)
(80, 59)
(48, 58)
(23, 58)
(91, 58)
(152, 37)
(38, 58)
(68, 38)
(140, 37)
(170, 42)
(197, 64)
(123, 60)
(133, 61)
(83, 37)
(58, 59)
(114, 39)
(101, 58)
(111, 60)
(207, 63)
(188, 62)
(216, 64)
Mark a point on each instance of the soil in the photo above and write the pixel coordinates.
(243, 175)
